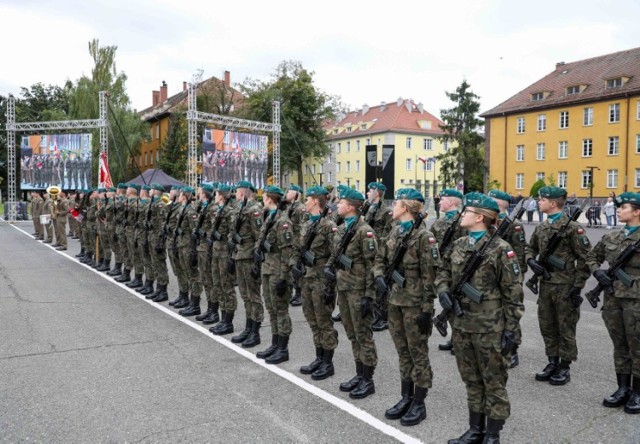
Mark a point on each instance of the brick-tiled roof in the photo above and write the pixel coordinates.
(590, 75)
(402, 116)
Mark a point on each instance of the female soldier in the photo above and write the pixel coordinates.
(621, 309)
(411, 302)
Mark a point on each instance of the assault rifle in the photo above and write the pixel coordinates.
(197, 235)
(615, 271)
(463, 287)
(215, 233)
(165, 228)
(178, 230)
(546, 258)
(307, 258)
(448, 235)
(114, 237)
(125, 221)
(147, 227)
(236, 239)
(263, 245)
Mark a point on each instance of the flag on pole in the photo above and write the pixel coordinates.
(423, 159)
(104, 180)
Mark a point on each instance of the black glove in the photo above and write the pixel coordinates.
(366, 306)
(256, 270)
(231, 245)
(258, 255)
(381, 285)
(298, 272)
(231, 266)
(575, 297)
(159, 248)
(508, 342)
(445, 300)
(281, 287)
(329, 295)
(536, 267)
(423, 320)
(330, 275)
(603, 278)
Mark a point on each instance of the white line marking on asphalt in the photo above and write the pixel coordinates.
(326, 396)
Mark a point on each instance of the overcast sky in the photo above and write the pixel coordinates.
(364, 53)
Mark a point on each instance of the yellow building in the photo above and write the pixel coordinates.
(579, 127)
(403, 127)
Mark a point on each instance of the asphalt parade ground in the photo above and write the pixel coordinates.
(85, 359)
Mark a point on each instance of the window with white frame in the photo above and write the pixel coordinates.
(540, 151)
(348, 166)
(427, 144)
(586, 179)
(637, 143)
(313, 169)
(357, 165)
(348, 147)
(445, 145)
(562, 179)
(367, 142)
(519, 181)
(614, 113)
(408, 143)
(614, 83)
(614, 146)
(357, 184)
(520, 153)
(638, 110)
(339, 148)
(587, 147)
(564, 119)
(587, 119)
(338, 165)
(429, 165)
(520, 125)
(409, 164)
(539, 176)
(637, 177)
(329, 177)
(357, 146)
(542, 122)
(563, 149)
(612, 178)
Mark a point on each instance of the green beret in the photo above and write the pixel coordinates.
(295, 188)
(451, 193)
(188, 189)
(340, 188)
(273, 190)
(157, 186)
(207, 187)
(222, 188)
(401, 192)
(412, 194)
(246, 184)
(352, 194)
(377, 186)
(146, 187)
(112, 189)
(497, 194)
(474, 199)
(122, 186)
(215, 185)
(628, 197)
(135, 186)
(317, 191)
(552, 192)
(177, 188)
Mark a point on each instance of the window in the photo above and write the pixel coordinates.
(348, 166)
(520, 153)
(349, 129)
(429, 165)
(158, 131)
(367, 142)
(562, 179)
(573, 90)
(313, 169)
(563, 149)
(519, 181)
(638, 110)
(408, 143)
(614, 83)
(587, 147)
(586, 179)
(348, 147)
(540, 152)
(614, 113)
(637, 143)
(363, 127)
(445, 145)
(357, 165)
(339, 148)
(637, 177)
(357, 146)
(588, 117)
(536, 97)
(539, 176)
(520, 125)
(542, 122)
(564, 119)
(614, 146)
(427, 144)
(329, 177)
(409, 164)
(338, 167)
(612, 178)
(357, 184)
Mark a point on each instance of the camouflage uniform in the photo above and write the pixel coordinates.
(172, 248)
(184, 230)
(144, 247)
(223, 293)
(122, 221)
(204, 261)
(132, 251)
(159, 211)
(139, 261)
(101, 228)
(297, 214)
(477, 334)
(91, 226)
(379, 218)
(440, 227)
(111, 229)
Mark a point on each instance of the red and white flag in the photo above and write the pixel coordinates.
(104, 178)
(56, 152)
(423, 159)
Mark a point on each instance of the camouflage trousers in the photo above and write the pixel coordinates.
(622, 318)
(249, 290)
(89, 235)
(73, 225)
(358, 329)
(317, 314)
(132, 252)
(124, 248)
(136, 247)
(158, 262)
(105, 242)
(145, 255)
(204, 271)
(176, 267)
(484, 371)
(558, 319)
(190, 273)
(113, 242)
(277, 306)
(411, 345)
(223, 291)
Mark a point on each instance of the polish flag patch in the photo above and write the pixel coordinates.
(285, 226)
(580, 231)
(518, 228)
(334, 229)
(257, 213)
(370, 234)
(432, 240)
(510, 254)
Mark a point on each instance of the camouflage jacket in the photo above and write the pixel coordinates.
(183, 229)
(108, 213)
(249, 230)
(121, 208)
(279, 260)
(573, 250)
(320, 247)
(297, 214)
(379, 218)
(440, 227)
(608, 249)
(132, 213)
(205, 229)
(497, 278)
(159, 211)
(91, 210)
(516, 238)
(418, 267)
(143, 206)
(220, 248)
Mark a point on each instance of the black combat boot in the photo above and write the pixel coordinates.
(124, 277)
(161, 294)
(81, 254)
(204, 315)
(97, 264)
(213, 317)
(336, 317)
(193, 309)
(244, 334)
(136, 283)
(87, 258)
(296, 299)
(621, 396)
(117, 269)
(549, 370)
(226, 326)
(184, 302)
(315, 364)
(106, 265)
(446, 346)
(181, 296)
(398, 410)
(515, 360)
(418, 411)
(381, 323)
(147, 288)
(493, 431)
(264, 354)
(562, 374)
(633, 404)
(282, 352)
(475, 434)
(352, 383)
(366, 386)
(326, 368)
(254, 336)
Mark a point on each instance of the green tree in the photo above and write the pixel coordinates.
(303, 108)
(42, 103)
(536, 187)
(464, 161)
(173, 151)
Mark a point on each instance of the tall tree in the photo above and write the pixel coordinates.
(464, 162)
(173, 151)
(303, 108)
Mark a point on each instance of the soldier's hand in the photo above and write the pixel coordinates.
(258, 256)
(231, 266)
(231, 245)
(603, 278)
(423, 320)
(508, 342)
(297, 271)
(159, 248)
(330, 274)
(575, 297)
(281, 287)
(381, 285)
(366, 306)
(445, 300)
(536, 266)
(329, 295)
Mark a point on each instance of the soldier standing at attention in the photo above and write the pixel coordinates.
(137, 209)
(130, 211)
(61, 210)
(450, 205)
(356, 292)
(621, 308)
(101, 228)
(143, 241)
(296, 212)
(36, 210)
(410, 303)
(514, 237)
(559, 299)
(317, 304)
(485, 334)
(110, 226)
(89, 227)
(118, 238)
(379, 218)
(172, 248)
(186, 221)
